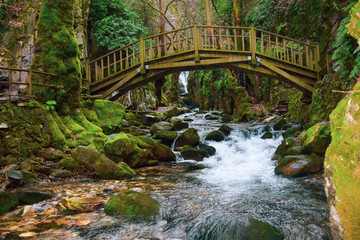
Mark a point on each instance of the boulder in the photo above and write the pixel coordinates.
(189, 137)
(132, 203)
(29, 178)
(32, 196)
(287, 147)
(225, 129)
(216, 136)
(211, 150)
(165, 137)
(179, 124)
(191, 153)
(299, 165)
(279, 124)
(8, 201)
(42, 169)
(267, 135)
(316, 139)
(256, 229)
(150, 119)
(69, 163)
(211, 117)
(97, 162)
(83, 204)
(136, 151)
(164, 126)
(61, 173)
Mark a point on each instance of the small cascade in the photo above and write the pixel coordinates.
(183, 82)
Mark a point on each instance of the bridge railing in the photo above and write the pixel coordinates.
(247, 40)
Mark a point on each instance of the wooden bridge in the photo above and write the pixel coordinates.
(198, 47)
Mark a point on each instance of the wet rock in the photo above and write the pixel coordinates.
(191, 153)
(165, 137)
(69, 163)
(189, 137)
(188, 119)
(216, 136)
(52, 154)
(15, 177)
(29, 178)
(32, 196)
(279, 124)
(256, 229)
(8, 201)
(163, 126)
(83, 204)
(225, 129)
(150, 119)
(267, 135)
(287, 147)
(97, 162)
(211, 117)
(179, 124)
(60, 173)
(299, 165)
(316, 139)
(292, 133)
(132, 203)
(211, 150)
(136, 151)
(42, 169)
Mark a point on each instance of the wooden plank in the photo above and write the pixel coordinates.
(119, 84)
(293, 79)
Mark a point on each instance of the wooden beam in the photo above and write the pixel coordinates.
(286, 75)
(119, 84)
(226, 60)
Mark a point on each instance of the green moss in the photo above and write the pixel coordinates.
(132, 203)
(316, 139)
(261, 230)
(59, 55)
(7, 201)
(342, 167)
(109, 114)
(299, 165)
(69, 163)
(287, 147)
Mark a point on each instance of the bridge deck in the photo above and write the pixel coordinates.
(198, 47)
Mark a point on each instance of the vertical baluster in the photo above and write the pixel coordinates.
(235, 39)
(213, 38)
(270, 45)
(307, 56)
(243, 40)
(151, 53)
(262, 43)
(121, 61)
(284, 49)
(300, 56)
(220, 39)
(292, 52)
(133, 55)
(102, 68)
(29, 81)
(108, 65)
(172, 46)
(96, 71)
(127, 57)
(311, 59)
(205, 44)
(228, 38)
(277, 46)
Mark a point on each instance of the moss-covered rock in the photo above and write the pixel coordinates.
(287, 147)
(215, 135)
(165, 137)
(7, 201)
(189, 152)
(179, 124)
(225, 129)
(316, 139)
(32, 196)
(61, 173)
(189, 137)
(97, 162)
(83, 204)
(279, 124)
(136, 151)
(342, 168)
(69, 163)
(163, 126)
(132, 203)
(256, 229)
(267, 135)
(299, 165)
(109, 114)
(211, 117)
(211, 150)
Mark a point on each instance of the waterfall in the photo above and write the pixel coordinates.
(183, 82)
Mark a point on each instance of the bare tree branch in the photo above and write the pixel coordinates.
(162, 14)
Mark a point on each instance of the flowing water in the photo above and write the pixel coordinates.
(212, 199)
(183, 82)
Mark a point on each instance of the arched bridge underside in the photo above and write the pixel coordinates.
(201, 47)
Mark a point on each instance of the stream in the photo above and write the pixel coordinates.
(212, 199)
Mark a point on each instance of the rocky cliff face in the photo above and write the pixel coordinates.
(17, 45)
(342, 168)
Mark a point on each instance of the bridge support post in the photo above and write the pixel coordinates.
(142, 56)
(253, 45)
(196, 43)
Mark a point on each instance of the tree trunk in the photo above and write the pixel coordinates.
(237, 19)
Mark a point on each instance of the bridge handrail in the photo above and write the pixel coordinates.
(215, 38)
